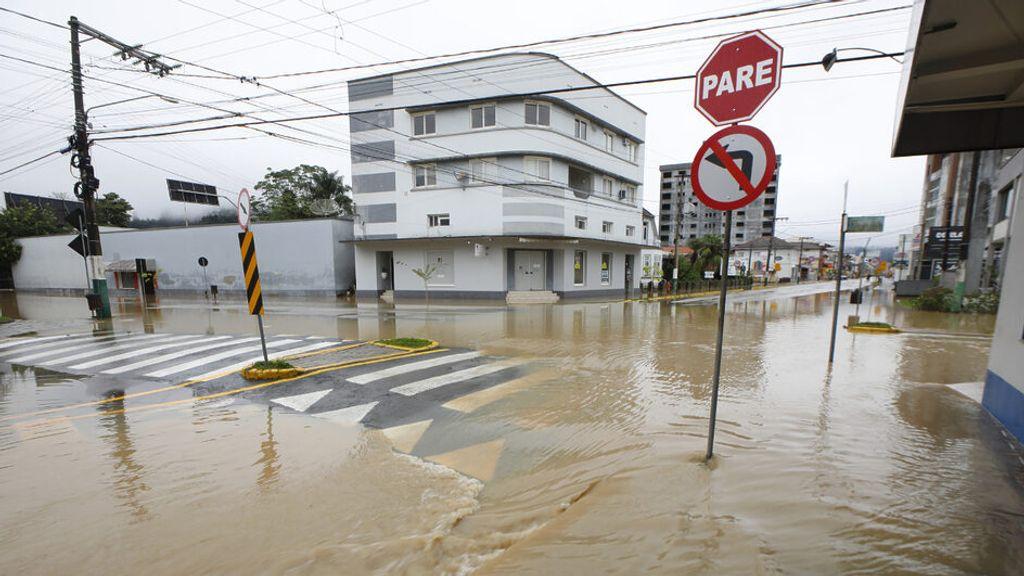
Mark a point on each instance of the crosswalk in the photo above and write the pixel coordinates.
(162, 356)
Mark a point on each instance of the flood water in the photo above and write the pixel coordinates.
(875, 466)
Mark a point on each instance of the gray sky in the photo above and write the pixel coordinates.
(829, 127)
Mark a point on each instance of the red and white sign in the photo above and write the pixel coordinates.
(733, 167)
(741, 74)
(244, 209)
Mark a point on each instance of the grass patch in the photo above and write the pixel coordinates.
(407, 342)
(272, 365)
(874, 324)
(5, 319)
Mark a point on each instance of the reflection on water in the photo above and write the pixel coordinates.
(874, 466)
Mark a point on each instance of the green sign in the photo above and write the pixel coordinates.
(865, 223)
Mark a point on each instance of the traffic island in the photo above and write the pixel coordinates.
(406, 344)
(271, 370)
(872, 327)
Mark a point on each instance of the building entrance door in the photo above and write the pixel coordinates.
(530, 270)
(385, 271)
(629, 273)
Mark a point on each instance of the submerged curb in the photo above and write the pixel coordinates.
(873, 329)
(432, 344)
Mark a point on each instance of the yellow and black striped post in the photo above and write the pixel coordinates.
(253, 292)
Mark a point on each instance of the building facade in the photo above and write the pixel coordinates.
(680, 211)
(804, 260)
(471, 181)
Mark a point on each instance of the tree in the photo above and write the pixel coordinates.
(20, 221)
(707, 252)
(301, 192)
(425, 274)
(112, 210)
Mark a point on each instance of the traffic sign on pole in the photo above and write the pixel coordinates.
(739, 76)
(253, 290)
(244, 209)
(733, 167)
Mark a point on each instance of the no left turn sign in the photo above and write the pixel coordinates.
(733, 167)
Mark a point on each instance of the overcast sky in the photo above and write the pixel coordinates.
(829, 127)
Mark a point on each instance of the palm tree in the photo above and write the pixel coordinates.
(328, 193)
(707, 252)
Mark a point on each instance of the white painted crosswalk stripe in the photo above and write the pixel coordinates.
(350, 415)
(108, 349)
(239, 365)
(22, 341)
(98, 347)
(412, 367)
(56, 343)
(176, 354)
(421, 386)
(144, 351)
(215, 357)
(301, 402)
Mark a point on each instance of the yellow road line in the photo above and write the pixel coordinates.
(231, 392)
(156, 390)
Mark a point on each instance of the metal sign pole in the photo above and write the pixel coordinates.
(263, 338)
(721, 332)
(839, 278)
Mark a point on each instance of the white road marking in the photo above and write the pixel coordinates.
(414, 388)
(109, 349)
(52, 344)
(224, 370)
(144, 351)
(215, 357)
(302, 402)
(177, 354)
(97, 347)
(350, 415)
(20, 341)
(412, 367)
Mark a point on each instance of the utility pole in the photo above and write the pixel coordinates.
(678, 226)
(88, 184)
(839, 277)
(800, 260)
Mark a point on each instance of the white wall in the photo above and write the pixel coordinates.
(305, 255)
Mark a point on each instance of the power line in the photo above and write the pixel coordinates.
(33, 161)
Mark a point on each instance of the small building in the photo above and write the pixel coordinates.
(312, 257)
(777, 258)
(471, 182)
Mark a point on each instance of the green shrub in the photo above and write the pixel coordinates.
(982, 302)
(272, 365)
(937, 299)
(874, 324)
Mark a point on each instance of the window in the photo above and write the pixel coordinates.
(666, 185)
(628, 193)
(664, 227)
(606, 268)
(630, 150)
(538, 114)
(579, 268)
(1003, 204)
(425, 123)
(769, 201)
(482, 169)
(607, 185)
(581, 129)
(666, 196)
(581, 180)
(581, 222)
(443, 262)
(666, 174)
(482, 116)
(436, 220)
(666, 206)
(609, 141)
(537, 168)
(606, 227)
(631, 231)
(426, 175)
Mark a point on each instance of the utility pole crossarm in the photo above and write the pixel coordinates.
(125, 50)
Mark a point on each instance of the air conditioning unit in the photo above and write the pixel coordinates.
(462, 177)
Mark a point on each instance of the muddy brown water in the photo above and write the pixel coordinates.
(875, 467)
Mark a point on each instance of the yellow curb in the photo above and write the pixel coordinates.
(874, 329)
(433, 344)
(270, 373)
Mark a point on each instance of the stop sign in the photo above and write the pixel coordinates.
(741, 74)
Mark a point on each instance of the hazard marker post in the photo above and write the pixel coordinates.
(736, 164)
(253, 291)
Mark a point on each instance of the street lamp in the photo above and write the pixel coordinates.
(832, 57)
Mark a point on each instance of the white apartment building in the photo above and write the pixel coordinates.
(495, 176)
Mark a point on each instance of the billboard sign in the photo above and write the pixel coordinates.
(865, 223)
